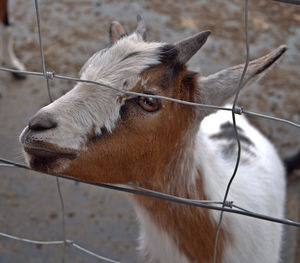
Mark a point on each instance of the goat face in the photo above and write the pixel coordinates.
(99, 134)
(96, 128)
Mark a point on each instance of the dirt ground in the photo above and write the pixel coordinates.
(99, 219)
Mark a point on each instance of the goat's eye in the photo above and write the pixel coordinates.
(149, 104)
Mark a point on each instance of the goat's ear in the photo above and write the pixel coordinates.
(219, 87)
(116, 31)
(189, 46)
(141, 28)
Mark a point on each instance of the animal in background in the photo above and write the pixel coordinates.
(7, 55)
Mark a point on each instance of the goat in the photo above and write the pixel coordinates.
(7, 54)
(101, 135)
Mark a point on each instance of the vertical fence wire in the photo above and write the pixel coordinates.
(62, 205)
(235, 131)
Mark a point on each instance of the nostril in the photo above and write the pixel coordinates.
(42, 121)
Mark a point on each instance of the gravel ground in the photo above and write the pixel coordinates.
(72, 31)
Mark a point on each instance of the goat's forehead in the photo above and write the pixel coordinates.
(123, 62)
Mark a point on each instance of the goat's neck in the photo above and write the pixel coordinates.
(186, 226)
(181, 175)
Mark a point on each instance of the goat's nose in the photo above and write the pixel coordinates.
(42, 121)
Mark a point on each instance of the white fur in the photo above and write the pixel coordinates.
(155, 245)
(259, 186)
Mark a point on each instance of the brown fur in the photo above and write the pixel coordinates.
(138, 151)
(3, 11)
(141, 141)
(191, 228)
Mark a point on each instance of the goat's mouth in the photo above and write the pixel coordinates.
(44, 152)
(47, 159)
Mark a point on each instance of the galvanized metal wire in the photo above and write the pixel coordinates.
(48, 77)
(59, 242)
(239, 148)
(131, 189)
(223, 206)
(294, 2)
(237, 109)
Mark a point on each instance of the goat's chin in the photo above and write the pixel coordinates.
(47, 164)
(46, 157)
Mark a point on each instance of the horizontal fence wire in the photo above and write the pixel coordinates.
(59, 242)
(238, 109)
(223, 206)
(127, 188)
(295, 2)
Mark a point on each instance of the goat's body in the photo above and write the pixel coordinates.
(259, 186)
(102, 135)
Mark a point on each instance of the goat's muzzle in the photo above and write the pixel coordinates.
(41, 155)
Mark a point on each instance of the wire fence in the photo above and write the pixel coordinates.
(223, 206)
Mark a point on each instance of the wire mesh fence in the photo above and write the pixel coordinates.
(225, 205)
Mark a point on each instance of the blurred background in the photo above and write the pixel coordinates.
(99, 219)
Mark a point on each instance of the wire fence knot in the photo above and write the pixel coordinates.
(69, 242)
(49, 75)
(228, 204)
(238, 110)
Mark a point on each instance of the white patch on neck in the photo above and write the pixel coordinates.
(155, 245)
